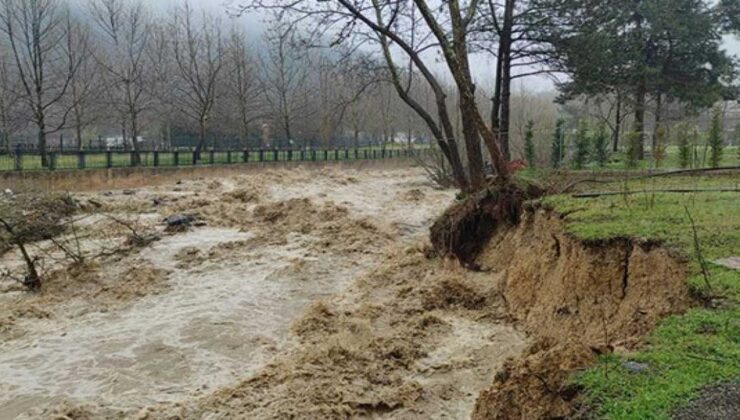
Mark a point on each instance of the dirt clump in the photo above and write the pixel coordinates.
(453, 292)
(534, 385)
(465, 227)
(578, 300)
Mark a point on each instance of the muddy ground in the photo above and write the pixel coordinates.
(296, 293)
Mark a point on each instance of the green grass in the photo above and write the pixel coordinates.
(685, 352)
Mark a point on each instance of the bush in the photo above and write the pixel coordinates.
(558, 145)
(633, 149)
(684, 141)
(529, 152)
(659, 151)
(582, 146)
(601, 146)
(715, 140)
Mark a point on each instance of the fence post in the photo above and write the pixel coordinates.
(108, 159)
(261, 155)
(211, 157)
(326, 154)
(290, 154)
(18, 158)
(336, 154)
(52, 161)
(374, 154)
(364, 154)
(357, 152)
(246, 155)
(176, 158)
(155, 157)
(80, 160)
(275, 155)
(303, 155)
(313, 155)
(228, 156)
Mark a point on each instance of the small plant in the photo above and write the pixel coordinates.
(633, 149)
(684, 137)
(715, 140)
(601, 146)
(659, 152)
(582, 146)
(529, 152)
(558, 144)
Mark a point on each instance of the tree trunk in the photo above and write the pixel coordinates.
(658, 119)
(505, 58)
(639, 126)
(135, 157)
(202, 127)
(617, 123)
(472, 145)
(42, 139)
(496, 100)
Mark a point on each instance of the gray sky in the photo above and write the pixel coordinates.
(483, 67)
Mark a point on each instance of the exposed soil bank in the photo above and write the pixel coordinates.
(576, 299)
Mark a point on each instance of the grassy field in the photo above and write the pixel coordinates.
(685, 352)
(69, 161)
(730, 157)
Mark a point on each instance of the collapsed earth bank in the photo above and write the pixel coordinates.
(576, 299)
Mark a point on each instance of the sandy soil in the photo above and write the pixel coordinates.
(289, 271)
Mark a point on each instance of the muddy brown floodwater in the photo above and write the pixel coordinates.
(173, 326)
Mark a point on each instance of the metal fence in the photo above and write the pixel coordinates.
(20, 160)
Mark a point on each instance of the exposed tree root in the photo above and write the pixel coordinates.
(465, 227)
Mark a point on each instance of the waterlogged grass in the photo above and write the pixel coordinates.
(685, 352)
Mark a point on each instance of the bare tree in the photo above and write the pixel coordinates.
(410, 30)
(285, 76)
(244, 85)
(85, 88)
(42, 40)
(199, 56)
(11, 115)
(125, 36)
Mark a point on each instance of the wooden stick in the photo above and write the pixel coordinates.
(674, 190)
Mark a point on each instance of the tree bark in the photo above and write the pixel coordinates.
(639, 126)
(505, 58)
(658, 119)
(41, 124)
(617, 123)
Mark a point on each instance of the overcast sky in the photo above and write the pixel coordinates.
(483, 67)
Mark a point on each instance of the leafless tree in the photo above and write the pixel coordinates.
(411, 30)
(199, 55)
(125, 32)
(85, 88)
(42, 39)
(285, 76)
(11, 115)
(244, 90)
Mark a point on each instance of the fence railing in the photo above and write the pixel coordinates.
(19, 160)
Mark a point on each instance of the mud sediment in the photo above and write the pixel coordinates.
(576, 300)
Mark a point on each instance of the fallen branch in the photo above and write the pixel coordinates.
(686, 171)
(570, 186)
(672, 190)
